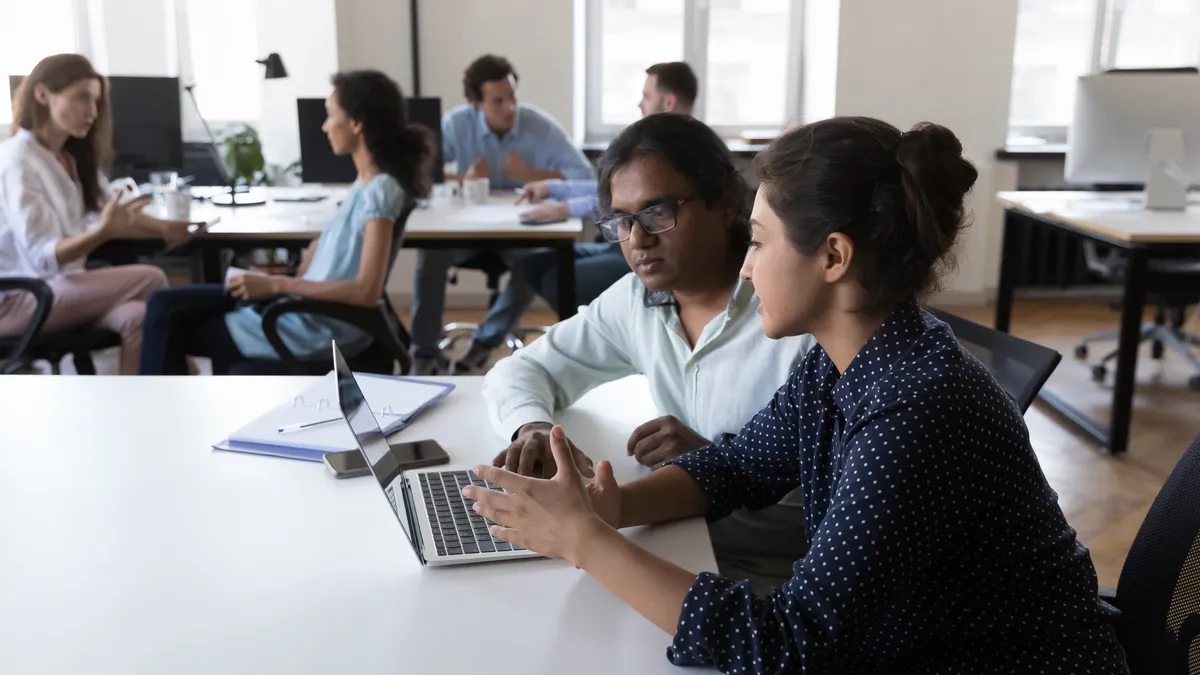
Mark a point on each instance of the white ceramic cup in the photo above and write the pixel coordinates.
(475, 190)
(444, 195)
(177, 205)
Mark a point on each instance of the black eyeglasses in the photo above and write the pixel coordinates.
(653, 219)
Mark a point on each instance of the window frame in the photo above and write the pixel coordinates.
(1106, 33)
(696, 15)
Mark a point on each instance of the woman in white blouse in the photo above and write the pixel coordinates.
(55, 209)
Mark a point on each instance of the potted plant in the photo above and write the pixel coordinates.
(244, 157)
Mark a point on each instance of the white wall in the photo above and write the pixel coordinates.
(304, 34)
(130, 37)
(375, 34)
(946, 62)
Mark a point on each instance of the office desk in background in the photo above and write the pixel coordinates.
(1113, 219)
(132, 548)
(292, 225)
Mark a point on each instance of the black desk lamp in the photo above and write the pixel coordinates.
(274, 71)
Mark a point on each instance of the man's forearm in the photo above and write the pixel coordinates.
(665, 495)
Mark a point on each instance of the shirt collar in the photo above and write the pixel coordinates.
(485, 131)
(743, 292)
(887, 345)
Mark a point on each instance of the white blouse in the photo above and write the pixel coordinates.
(39, 206)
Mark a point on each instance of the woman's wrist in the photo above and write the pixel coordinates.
(597, 539)
(283, 284)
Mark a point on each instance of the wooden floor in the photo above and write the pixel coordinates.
(1104, 498)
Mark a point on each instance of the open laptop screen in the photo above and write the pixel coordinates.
(385, 466)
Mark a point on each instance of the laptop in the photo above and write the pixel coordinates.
(437, 519)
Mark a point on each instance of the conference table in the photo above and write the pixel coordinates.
(284, 223)
(1115, 219)
(129, 547)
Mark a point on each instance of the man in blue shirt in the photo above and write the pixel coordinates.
(669, 87)
(491, 136)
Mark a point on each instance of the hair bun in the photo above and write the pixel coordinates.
(936, 178)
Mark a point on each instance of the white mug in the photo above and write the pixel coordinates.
(177, 205)
(475, 190)
(444, 195)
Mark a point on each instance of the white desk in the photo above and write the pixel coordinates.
(292, 225)
(306, 220)
(128, 547)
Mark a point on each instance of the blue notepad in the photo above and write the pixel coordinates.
(396, 401)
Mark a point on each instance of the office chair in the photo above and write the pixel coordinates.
(1172, 284)
(1020, 366)
(33, 345)
(390, 340)
(493, 268)
(1159, 589)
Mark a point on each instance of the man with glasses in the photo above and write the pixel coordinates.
(677, 209)
(669, 87)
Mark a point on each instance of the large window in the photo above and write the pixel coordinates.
(218, 45)
(746, 55)
(29, 32)
(1059, 40)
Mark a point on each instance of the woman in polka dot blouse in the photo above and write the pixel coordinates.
(936, 544)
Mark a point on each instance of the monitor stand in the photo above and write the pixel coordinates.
(1167, 184)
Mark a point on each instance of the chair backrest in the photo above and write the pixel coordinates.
(398, 227)
(1159, 590)
(1020, 366)
(13, 349)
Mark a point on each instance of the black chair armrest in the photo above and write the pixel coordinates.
(44, 299)
(379, 322)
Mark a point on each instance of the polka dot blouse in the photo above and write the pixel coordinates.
(936, 544)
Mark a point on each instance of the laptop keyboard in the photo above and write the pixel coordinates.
(457, 529)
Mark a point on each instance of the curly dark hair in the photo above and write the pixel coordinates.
(487, 68)
(898, 196)
(399, 148)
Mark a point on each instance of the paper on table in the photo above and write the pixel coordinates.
(394, 401)
(491, 214)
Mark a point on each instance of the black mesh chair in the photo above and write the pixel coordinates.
(18, 351)
(1159, 589)
(390, 340)
(1172, 284)
(1020, 366)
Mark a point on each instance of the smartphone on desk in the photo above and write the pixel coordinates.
(542, 221)
(406, 456)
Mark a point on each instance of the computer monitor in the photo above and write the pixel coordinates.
(319, 164)
(1137, 127)
(147, 124)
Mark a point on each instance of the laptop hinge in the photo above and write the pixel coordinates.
(414, 523)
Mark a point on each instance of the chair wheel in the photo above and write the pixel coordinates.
(1194, 382)
(1099, 373)
(1081, 352)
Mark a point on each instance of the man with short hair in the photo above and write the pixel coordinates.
(491, 136)
(669, 87)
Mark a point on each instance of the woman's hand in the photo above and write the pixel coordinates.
(119, 216)
(556, 517)
(255, 286)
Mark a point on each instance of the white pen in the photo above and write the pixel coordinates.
(304, 425)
